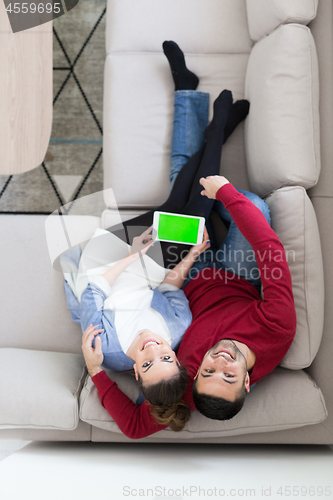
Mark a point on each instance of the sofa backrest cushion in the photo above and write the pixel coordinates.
(266, 15)
(282, 129)
(209, 27)
(294, 221)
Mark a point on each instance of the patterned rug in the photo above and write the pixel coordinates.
(72, 167)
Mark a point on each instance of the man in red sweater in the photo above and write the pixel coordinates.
(236, 337)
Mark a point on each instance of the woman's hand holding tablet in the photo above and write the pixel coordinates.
(198, 249)
(142, 243)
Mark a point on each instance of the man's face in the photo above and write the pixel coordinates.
(223, 371)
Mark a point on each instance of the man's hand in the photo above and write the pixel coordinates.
(196, 250)
(141, 243)
(93, 357)
(212, 184)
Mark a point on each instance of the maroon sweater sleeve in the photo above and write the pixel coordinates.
(135, 421)
(277, 308)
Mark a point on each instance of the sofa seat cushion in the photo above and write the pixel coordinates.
(91, 409)
(40, 390)
(138, 121)
(282, 129)
(64, 232)
(294, 221)
(283, 400)
(264, 16)
(209, 27)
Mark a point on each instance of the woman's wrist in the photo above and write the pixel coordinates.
(133, 256)
(193, 255)
(93, 371)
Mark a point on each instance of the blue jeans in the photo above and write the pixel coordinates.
(235, 254)
(189, 123)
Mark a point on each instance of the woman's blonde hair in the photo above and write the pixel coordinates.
(175, 416)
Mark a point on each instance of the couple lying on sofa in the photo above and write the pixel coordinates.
(227, 336)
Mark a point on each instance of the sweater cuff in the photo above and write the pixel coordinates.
(101, 379)
(226, 193)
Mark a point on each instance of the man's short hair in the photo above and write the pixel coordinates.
(218, 408)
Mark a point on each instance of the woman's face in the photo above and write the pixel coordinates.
(154, 358)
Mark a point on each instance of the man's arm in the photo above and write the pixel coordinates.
(134, 421)
(278, 307)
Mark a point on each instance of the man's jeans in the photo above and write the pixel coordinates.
(235, 254)
(189, 123)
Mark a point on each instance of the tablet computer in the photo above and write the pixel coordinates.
(178, 228)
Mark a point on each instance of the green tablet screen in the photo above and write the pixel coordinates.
(183, 229)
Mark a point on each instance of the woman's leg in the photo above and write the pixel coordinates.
(236, 253)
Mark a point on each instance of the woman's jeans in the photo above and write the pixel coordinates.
(235, 254)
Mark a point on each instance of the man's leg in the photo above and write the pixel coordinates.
(211, 160)
(208, 161)
(235, 252)
(190, 120)
(185, 196)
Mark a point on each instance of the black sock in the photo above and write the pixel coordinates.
(237, 113)
(222, 105)
(184, 78)
(211, 158)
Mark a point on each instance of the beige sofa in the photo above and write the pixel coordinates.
(283, 152)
